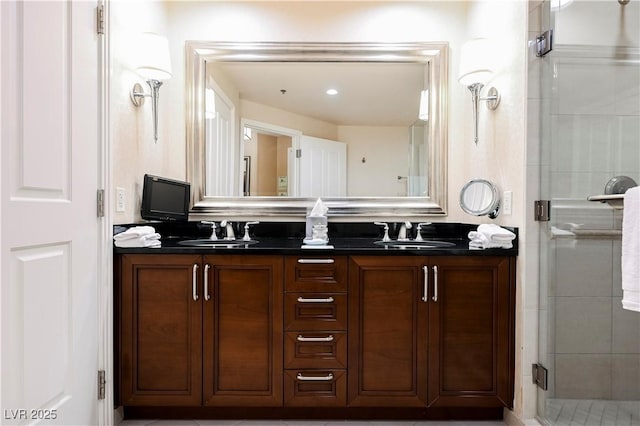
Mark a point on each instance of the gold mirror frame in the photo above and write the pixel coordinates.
(435, 54)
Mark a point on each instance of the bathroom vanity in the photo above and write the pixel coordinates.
(271, 330)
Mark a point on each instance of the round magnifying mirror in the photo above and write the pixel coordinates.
(480, 197)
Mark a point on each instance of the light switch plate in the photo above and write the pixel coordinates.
(120, 196)
(507, 200)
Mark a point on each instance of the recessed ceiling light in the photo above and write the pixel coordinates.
(332, 92)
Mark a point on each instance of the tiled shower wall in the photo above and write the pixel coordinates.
(590, 126)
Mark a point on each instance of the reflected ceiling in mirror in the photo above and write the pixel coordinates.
(294, 78)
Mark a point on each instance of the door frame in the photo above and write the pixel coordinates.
(106, 413)
(274, 130)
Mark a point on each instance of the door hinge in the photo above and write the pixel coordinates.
(100, 202)
(100, 19)
(298, 153)
(541, 210)
(102, 384)
(544, 43)
(539, 375)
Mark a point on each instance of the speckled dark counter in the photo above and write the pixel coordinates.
(346, 239)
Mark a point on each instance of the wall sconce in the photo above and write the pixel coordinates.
(155, 66)
(423, 113)
(475, 70)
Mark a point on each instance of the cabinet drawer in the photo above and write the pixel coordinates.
(315, 350)
(315, 388)
(316, 273)
(315, 311)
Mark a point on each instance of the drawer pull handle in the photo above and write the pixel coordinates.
(425, 295)
(301, 338)
(326, 378)
(435, 284)
(325, 300)
(207, 296)
(317, 261)
(194, 282)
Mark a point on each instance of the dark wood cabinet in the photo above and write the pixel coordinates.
(200, 330)
(431, 331)
(471, 332)
(160, 331)
(242, 331)
(315, 321)
(387, 332)
(421, 334)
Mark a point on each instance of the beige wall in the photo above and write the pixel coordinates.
(385, 151)
(499, 155)
(501, 132)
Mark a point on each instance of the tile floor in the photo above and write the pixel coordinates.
(306, 423)
(573, 412)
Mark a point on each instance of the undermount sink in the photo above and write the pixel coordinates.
(416, 244)
(215, 243)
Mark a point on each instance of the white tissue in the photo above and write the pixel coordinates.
(319, 209)
(317, 216)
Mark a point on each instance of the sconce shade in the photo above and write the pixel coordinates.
(423, 113)
(475, 62)
(153, 57)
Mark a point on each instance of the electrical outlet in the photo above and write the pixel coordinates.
(120, 196)
(507, 200)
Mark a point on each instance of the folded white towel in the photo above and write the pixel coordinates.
(487, 237)
(135, 232)
(148, 240)
(496, 233)
(631, 250)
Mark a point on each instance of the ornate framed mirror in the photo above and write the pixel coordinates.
(230, 72)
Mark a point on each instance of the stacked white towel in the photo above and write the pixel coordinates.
(631, 250)
(138, 236)
(491, 236)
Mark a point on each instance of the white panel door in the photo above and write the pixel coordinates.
(323, 168)
(50, 170)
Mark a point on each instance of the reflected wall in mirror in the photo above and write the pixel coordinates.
(363, 150)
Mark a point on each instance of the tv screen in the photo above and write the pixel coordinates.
(165, 199)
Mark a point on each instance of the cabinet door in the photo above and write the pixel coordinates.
(471, 332)
(387, 332)
(242, 330)
(161, 329)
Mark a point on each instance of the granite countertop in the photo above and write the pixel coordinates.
(346, 239)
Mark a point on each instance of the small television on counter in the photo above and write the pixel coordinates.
(165, 199)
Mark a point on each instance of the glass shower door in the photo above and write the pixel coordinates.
(590, 142)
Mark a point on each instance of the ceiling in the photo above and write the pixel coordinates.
(380, 93)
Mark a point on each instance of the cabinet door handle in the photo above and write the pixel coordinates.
(303, 378)
(425, 295)
(301, 338)
(325, 300)
(194, 282)
(435, 284)
(316, 261)
(207, 296)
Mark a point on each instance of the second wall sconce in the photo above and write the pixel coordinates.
(476, 69)
(155, 66)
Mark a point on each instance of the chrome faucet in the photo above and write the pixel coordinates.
(385, 238)
(402, 234)
(213, 236)
(230, 234)
(246, 230)
(419, 230)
